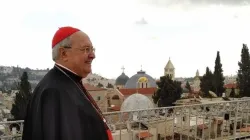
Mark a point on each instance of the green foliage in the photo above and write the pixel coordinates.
(22, 98)
(188, 86)
(206, 84)
(232, 93)
(155, 97)
(99, 85)
(243, 79)
(168, 92)
(110, 85)
(213, 81)
(218, 78)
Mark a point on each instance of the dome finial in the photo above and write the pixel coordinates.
(123, 69)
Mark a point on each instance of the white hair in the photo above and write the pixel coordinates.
(64, 43)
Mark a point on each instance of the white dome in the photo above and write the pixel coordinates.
(136, 102)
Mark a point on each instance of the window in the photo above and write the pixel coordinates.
(115, 97)
(109, 104)
(98, 98)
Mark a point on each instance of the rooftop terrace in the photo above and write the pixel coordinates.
(222, 120)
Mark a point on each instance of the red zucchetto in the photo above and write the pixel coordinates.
(63, 33)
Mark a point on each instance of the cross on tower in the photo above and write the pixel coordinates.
(123, 68)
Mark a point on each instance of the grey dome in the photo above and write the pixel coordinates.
(122, 79)
(136, 102)
(132, 82)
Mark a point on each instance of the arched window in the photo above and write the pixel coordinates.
(115, 97)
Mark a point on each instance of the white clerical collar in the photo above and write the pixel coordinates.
(66, 68)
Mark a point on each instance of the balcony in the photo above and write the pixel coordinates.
(222, 120)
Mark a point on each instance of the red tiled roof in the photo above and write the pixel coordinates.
(139, 90)
(115, 108)
(230, 85)
(144, 134)
(202, 126)
(92, 88)
(246, 129)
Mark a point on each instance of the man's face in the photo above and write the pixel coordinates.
(80, 55)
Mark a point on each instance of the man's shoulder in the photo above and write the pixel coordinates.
(52, 79)
(47, 90)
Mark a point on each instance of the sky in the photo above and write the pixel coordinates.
(189, 32)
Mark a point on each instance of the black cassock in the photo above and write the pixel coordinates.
(60, 111)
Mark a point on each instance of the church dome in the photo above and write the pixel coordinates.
(122, 79)
(136, 102)
(143, 79)
(141, 75)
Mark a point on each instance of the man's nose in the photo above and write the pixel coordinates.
(92, 55)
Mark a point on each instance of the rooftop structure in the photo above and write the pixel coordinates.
(218, 120)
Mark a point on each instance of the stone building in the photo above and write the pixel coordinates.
(169, 70)
(196, 82)
(99, 95)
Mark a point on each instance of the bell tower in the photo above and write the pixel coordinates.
(169, 70)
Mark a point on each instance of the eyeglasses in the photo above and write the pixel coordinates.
(84, 50)
(87, 50)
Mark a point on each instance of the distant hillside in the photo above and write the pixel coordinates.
(9, 76)
(95, 79)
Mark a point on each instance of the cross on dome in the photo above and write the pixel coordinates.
(123, 68)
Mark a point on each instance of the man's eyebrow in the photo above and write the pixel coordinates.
(87, 46)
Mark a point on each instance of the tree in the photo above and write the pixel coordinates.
(178, 91)
(22, 98)
(218, 78)
(207, 83)
(168, 92)
(188, 86)
(232, 93)
(243, 78)
(155, 97)
(99, 85)
(110, 85)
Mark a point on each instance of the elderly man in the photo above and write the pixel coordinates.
(61, 108)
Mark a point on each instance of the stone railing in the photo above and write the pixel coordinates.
(11, 130)
(222, 120)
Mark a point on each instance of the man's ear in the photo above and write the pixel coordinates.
(63, 54)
